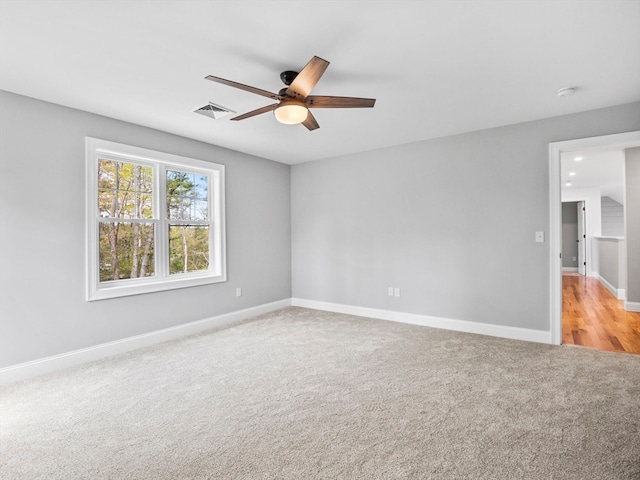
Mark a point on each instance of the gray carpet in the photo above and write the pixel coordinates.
(303, 394)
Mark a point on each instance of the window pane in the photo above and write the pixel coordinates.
(126, 250)
(124, 190)
(187, 196)
(179, 208)
(200, 210)
(134, 205)
(107, 174)
(188, 248)
(201, 189)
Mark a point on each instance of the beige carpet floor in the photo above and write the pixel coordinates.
(304, 394)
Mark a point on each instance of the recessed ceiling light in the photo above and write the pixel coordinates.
(568, 184)
(571, 174)
(578, 159)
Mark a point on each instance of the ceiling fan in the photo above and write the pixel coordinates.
(294, 101)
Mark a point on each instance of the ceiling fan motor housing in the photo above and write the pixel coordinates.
(288, 76)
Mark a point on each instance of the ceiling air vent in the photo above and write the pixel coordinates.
(214, 111)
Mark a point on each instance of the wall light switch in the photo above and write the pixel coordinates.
(540, 237)
(396, 292)
(238, 292)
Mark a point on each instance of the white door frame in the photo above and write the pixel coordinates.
(620, 140)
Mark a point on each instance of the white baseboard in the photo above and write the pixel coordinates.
(619, 293)
(515, 333)
(632, 306)
(54, 363)
(570, 269)
(42, 366)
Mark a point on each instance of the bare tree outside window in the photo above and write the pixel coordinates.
(188, 212)
(125, 198)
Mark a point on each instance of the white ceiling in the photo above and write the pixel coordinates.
(436, 68)
(601, 168)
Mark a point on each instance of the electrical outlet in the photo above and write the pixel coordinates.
(390, 291)
(238, 292)
(396, 292)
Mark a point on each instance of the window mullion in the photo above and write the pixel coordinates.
(159, 209)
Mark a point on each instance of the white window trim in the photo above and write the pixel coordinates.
(96, 290)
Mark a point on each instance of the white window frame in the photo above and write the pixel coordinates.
(160, 162)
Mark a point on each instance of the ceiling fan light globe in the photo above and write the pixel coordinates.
(291, 113)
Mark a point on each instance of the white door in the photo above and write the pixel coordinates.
(582, 240)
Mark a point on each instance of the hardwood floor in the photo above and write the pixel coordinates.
(593, 317)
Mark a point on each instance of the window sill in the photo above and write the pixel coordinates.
(140, 287)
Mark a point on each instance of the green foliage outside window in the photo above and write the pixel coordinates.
(126, 242)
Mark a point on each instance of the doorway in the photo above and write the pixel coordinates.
(573, 230)
(582, 237)
(623, 140)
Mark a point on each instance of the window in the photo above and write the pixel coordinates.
(155, 221)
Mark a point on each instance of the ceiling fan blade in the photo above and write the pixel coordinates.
(307, 78)
(246, 88)
(311, 123)
(255, 112)
(320, 101)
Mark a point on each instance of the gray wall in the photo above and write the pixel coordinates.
(632, 222)
(612, 217)
(608, 254)
(42, 197)
(570, 234)
(450, 221)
